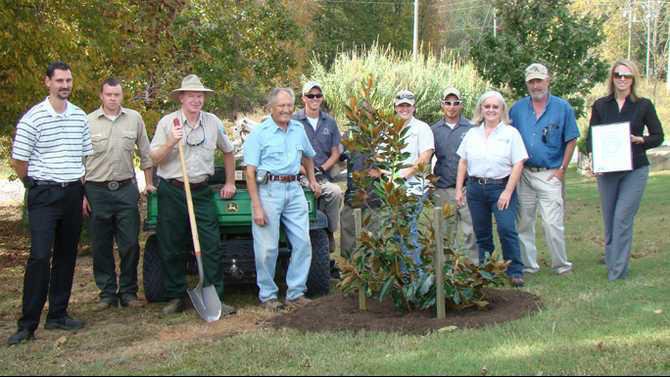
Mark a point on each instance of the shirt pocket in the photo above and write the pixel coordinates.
(501, 148)
(128, 141)
(554, 135)
(99, 142)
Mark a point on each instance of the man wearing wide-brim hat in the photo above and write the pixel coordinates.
(200, 133)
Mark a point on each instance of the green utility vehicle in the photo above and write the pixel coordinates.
(237, 243)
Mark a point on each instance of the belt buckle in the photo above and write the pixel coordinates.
(481, 181)
(113, 185)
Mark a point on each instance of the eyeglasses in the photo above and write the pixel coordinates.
(622, 75)
(451, 103)
(196, 137)
(312, 96)
(491, 107)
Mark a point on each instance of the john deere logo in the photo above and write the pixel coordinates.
(232, 207)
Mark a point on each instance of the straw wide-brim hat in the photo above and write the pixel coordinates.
(190, 83)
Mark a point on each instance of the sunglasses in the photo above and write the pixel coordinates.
(451, 103)
(622, 75)
(405, 96)
(196, 137)
(312, 96)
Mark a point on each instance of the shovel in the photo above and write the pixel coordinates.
(205, 299)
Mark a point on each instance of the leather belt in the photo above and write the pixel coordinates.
(112, 185)
(282, 178)
(54, 183)
(194, 186)
(536, 169)
(488, 181)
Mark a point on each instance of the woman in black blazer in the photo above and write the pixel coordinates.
(621, 192)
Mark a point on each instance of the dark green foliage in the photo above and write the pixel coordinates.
(546, 32)
(378, 265)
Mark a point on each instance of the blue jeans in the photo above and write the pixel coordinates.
(413, 250)
(483, 201)
(283, 203)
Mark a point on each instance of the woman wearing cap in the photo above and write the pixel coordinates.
(493, 155)
(621, 192)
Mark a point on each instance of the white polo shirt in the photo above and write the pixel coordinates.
(419, 139)
(54, 144)
(492, 157)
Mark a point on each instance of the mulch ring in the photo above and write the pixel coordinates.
(340, 313)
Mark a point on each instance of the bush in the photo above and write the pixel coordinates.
(379, 266)
(392, 71)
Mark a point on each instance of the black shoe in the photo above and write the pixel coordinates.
(66, 323)
(334, 270)
(20, 337)
(176, 305)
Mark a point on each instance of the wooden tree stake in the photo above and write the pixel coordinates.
(438, 261)
(358, 225)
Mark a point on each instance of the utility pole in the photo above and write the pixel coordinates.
(415, 49)
(630, 25)
(649, 12)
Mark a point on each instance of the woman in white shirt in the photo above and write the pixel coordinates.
(492, 155)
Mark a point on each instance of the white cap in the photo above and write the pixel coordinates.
(309, 86)
(536, 71)
(451, 91)
(404, 96)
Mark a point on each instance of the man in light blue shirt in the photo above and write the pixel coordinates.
(549, 130)
(273, 152)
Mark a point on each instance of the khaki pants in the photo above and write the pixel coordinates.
(330, 203)
(348, 228)
(536, 190)
(461, 220)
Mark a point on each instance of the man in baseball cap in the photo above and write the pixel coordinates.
(449, 132)
(549, 130)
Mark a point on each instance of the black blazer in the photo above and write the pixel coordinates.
(640, 114)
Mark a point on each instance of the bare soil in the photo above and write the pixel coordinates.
(338, 312)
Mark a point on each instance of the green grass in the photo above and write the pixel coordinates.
(587, 326)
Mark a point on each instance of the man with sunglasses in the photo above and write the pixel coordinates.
(200, 133)
(112, 195)
(549, 130)
(324, 135)
(448, 133)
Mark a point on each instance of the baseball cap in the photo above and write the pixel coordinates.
(451, 91)
(404, 96)
(536, 71)
(309, 86)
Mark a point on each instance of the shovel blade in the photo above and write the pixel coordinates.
(206, 302)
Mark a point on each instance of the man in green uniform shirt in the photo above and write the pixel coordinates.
(200, 133)
(112, 196)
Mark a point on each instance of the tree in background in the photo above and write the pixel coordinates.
(546, 32)
(344, 26)
(240, 48)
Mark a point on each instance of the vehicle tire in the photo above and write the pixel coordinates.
(318, 281)
(152, 271)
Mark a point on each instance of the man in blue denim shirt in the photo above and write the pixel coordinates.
(276, 149)
(549, 130)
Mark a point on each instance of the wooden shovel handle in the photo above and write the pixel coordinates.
(189, 199)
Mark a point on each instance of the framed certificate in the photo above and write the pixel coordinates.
(611, 147)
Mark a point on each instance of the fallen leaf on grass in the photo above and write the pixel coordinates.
(61, 341)
(448, 329)
(659, 311)
(600, 346)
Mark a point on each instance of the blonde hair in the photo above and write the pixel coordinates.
(636, 77)
(478, 117)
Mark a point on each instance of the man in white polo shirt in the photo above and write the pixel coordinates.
(51, 141)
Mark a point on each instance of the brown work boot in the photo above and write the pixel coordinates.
(517, 282)
(132, 302)
(272, 305)
(105, 304)
(227, 309)
(298, 302)
(174, 306)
